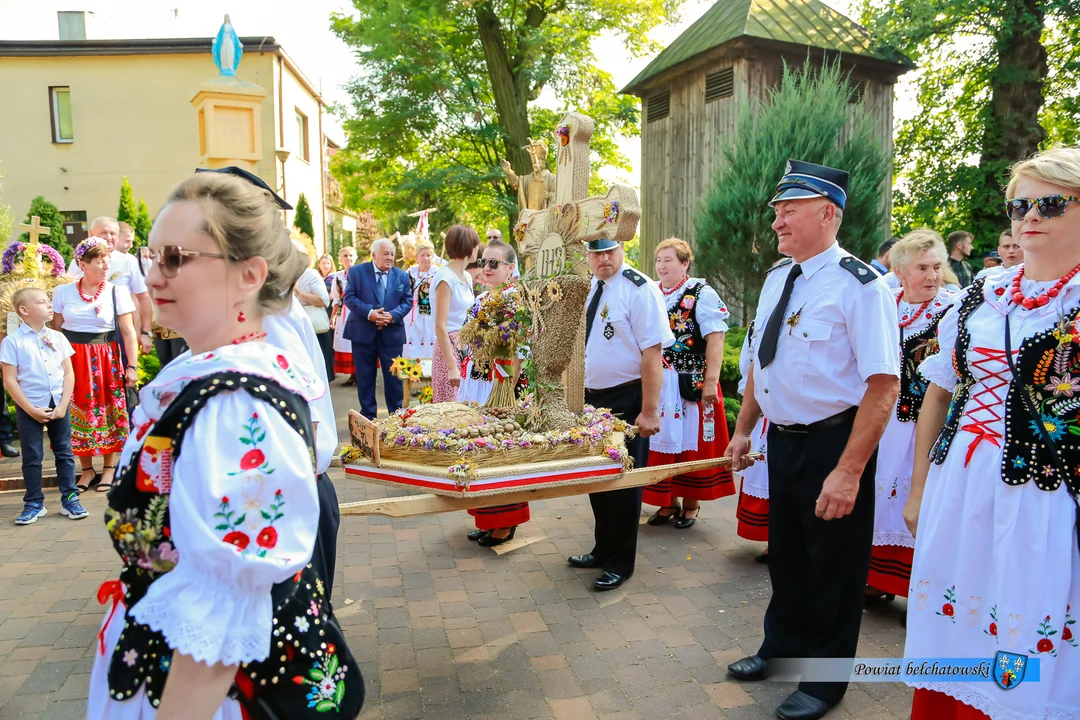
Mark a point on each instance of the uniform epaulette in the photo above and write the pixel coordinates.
(862, 272)
(635, 277)
(779, 264)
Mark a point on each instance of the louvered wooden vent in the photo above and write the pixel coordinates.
(658, 106)
(720, 84)
(858, 91)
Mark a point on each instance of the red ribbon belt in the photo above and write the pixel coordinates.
(109, 590)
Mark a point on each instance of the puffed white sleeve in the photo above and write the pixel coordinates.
(712, 313)
(939, 368)
(244, 511)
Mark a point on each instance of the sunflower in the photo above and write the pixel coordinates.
(554, 292)
(415, 372)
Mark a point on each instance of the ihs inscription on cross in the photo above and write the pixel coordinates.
(35, 229)
(547, 237)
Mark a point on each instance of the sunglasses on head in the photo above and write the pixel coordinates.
(171, 257)
(1050, 206)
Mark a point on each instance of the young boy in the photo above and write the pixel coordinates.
(37, 369)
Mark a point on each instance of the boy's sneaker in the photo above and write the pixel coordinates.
(31, 513)
(73, 508)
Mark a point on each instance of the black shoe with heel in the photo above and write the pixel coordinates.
(477, 534)
(490, 540)
(658, 519)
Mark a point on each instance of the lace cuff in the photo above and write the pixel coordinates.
(210, 622)
(939, 370)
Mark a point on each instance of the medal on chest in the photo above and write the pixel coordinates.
(793, 320)
(609, 332)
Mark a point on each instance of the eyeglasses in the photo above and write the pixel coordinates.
(171, 257)
(491, 264)
(1050, 206)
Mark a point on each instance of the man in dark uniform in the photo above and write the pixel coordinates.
(626, 328)
(825, 367)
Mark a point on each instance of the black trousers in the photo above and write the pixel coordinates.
(324, 557)
(617, 511)
(818, 567)
(326, 344)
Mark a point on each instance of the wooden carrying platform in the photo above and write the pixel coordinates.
(428, 504)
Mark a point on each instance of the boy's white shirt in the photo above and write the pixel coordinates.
(38, 357)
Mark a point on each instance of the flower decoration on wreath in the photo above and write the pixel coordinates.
(14, 254)
(22, 269)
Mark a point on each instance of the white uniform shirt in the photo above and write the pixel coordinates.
(94, 317)
(461, 298)
(123, 270)
(39, 360)
(837, 333)
(638, 319)
(891, 280)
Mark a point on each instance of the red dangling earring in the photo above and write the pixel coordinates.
(242, 317)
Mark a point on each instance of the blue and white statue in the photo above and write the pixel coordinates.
(227, 49)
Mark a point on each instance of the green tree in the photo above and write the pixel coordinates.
(142, 225)
(7, 220)
(447, 88)
(302, 219)
(128, 211)
(804, 118)
(51, 218)
(997, 82)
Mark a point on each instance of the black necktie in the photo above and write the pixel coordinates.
(590, 314)
(767, 350)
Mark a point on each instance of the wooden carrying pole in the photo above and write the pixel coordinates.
(413, 505)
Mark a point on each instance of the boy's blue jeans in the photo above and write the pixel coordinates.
(31, 433)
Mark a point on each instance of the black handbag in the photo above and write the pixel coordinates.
(131, 395)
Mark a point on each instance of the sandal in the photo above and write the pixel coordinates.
(683, 522)
(82, 487)
(657, 518)
(107, 486)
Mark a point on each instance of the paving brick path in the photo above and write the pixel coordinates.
(446, 629)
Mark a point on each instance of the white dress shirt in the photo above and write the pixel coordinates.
(638, 320)
(39, 360)
(123, 270)
(837, 332)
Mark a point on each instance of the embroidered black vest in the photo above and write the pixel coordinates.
(1048, 369)
(916, 348)
(309, 672)
(423, 297)
(687, 354)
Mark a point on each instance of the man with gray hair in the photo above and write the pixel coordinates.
(378, 296)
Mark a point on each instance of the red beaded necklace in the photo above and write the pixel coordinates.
(1043, 298)
(250, 337)
(78, 286)
(681, 283)
(914, 316)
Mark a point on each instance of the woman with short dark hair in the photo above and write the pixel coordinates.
(452, 288)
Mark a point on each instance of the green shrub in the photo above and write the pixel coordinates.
(149, 367)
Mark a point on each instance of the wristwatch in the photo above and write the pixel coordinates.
(147, 333)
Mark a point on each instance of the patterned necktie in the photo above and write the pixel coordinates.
(767, 351)
(590, 314)
(380, 286)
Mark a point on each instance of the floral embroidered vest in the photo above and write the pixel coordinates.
(423, 296)
(916, 348)
(687, 354)
(1045, 365)
(310, 671)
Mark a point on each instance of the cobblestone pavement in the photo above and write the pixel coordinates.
(446, 629)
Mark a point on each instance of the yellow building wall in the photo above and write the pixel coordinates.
(301, 176)
(132, 116)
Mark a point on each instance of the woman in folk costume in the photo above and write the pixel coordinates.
(693, 424)
(494, 525)
(752, 512)
(993, 503)
(420, 323)
(917, 260)
(216, 612)
(343, 361)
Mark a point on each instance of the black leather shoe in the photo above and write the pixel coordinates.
(490, 540)
(659, 519)
(685, 523)
(584, 561)
(800, 706)
(9, 450)
(749, 668)
(609, 580)
(476, 535)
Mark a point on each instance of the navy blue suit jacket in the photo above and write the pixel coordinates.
(360, 298)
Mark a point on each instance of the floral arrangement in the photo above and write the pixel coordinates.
(496, 327)
(407, 369)
(563, 134)
(426, 395)
(14, 254)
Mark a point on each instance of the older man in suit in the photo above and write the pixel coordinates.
(378, 297)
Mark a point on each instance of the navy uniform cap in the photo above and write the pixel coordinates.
(807, 180)
(601, 244)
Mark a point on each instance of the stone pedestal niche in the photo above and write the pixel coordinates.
(229, 118)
